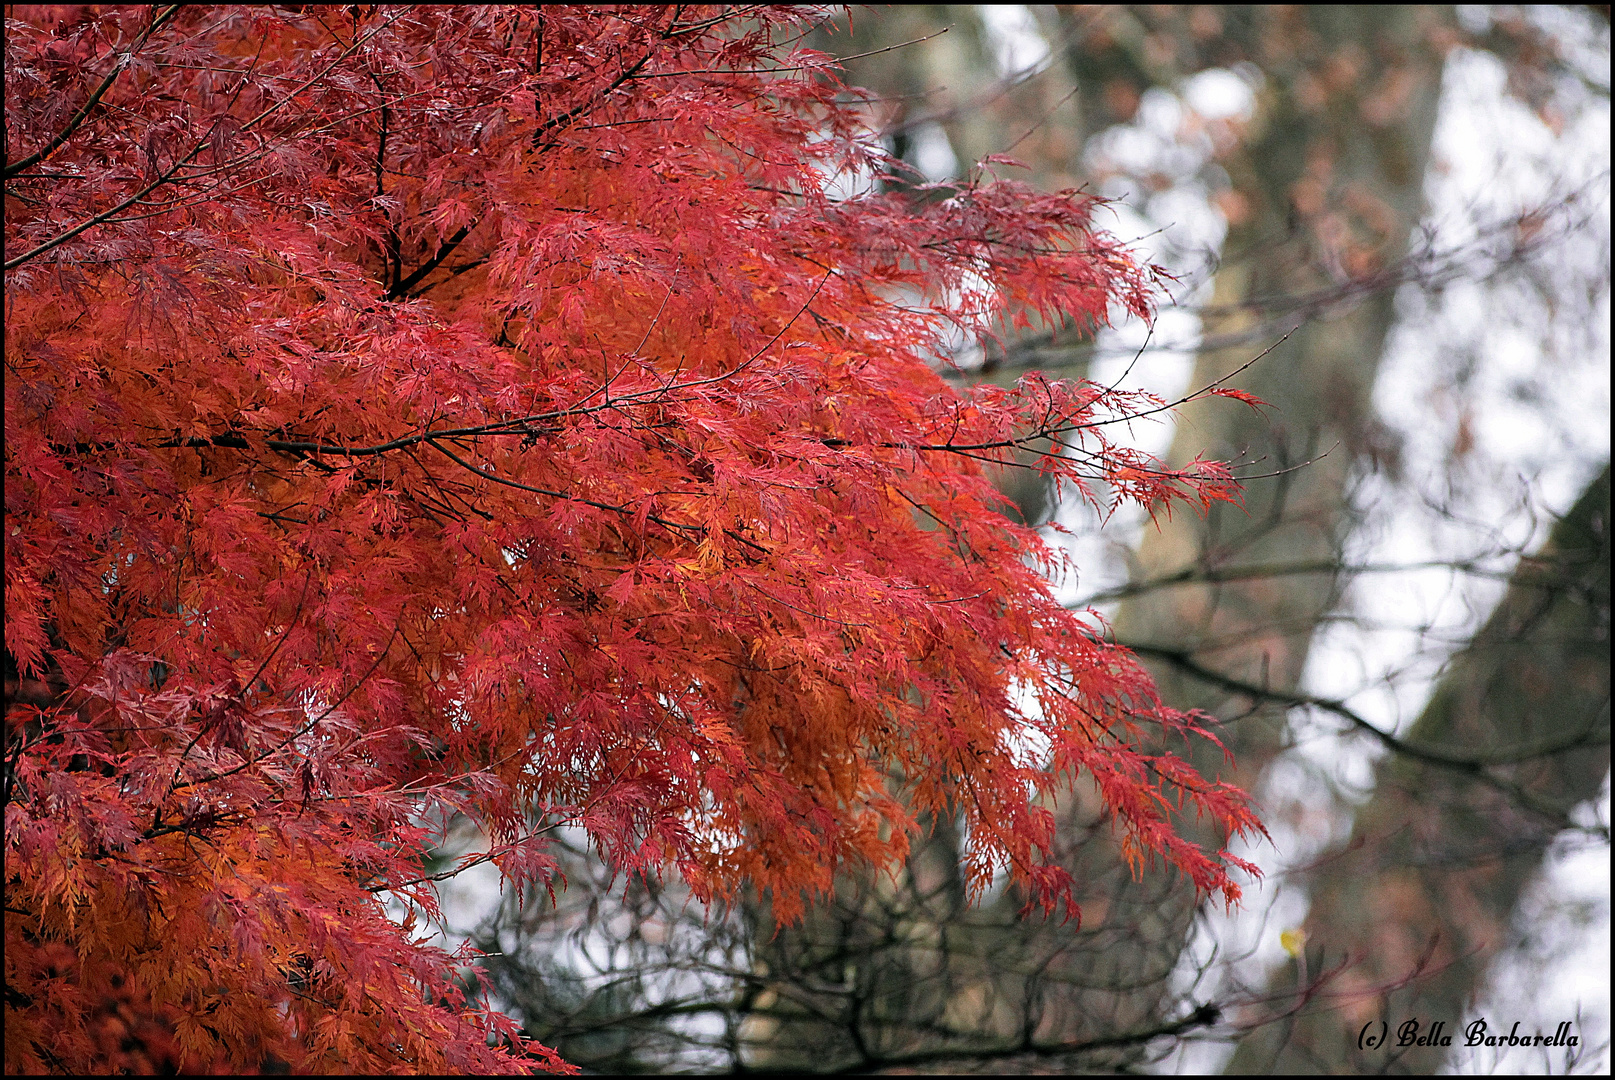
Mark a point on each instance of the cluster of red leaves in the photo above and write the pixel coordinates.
(425, 411)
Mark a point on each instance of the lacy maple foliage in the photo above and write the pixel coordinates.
(428, 411)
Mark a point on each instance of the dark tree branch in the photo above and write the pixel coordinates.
(402, 288)
(79, 117)
(1476, 765)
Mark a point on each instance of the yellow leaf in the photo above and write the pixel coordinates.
(1293, 941)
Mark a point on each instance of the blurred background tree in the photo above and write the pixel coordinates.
(1406, 634)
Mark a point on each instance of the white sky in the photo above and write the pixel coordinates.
(1534, 391)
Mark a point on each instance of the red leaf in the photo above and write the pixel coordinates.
(618, 502)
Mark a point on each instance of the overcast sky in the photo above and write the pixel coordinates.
(1522, 363)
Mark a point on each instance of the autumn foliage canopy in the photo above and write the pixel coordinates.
(414, 412)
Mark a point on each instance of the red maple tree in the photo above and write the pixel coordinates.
(428, 411)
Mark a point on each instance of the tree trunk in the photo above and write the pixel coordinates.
(1442, 853)
(1330, 178)
(1330, 196)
